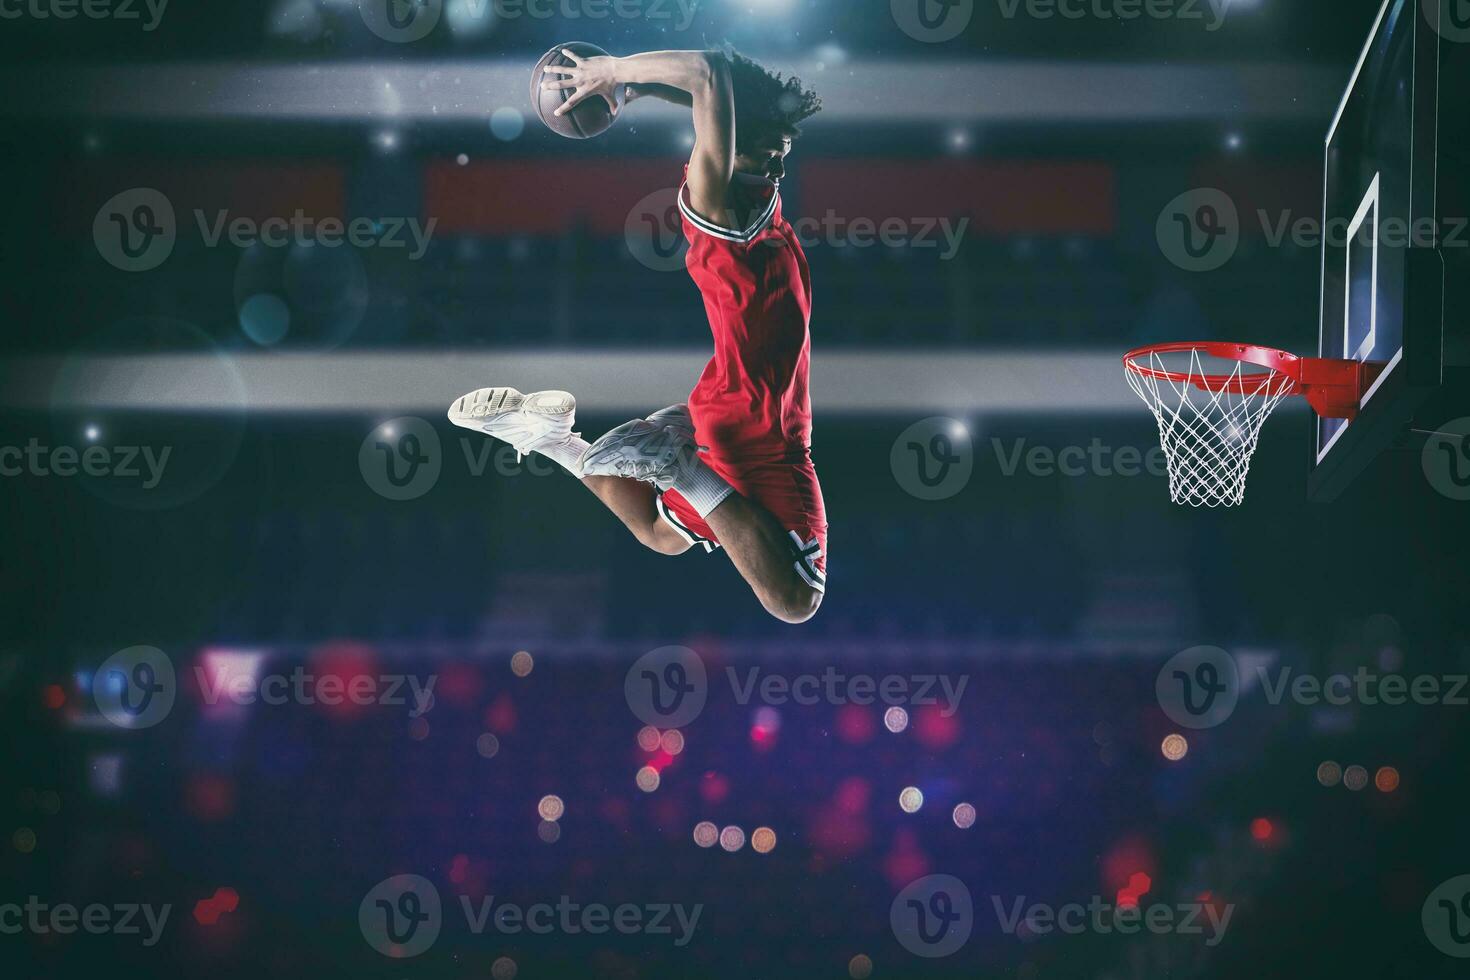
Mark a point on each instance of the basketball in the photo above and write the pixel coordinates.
(592, 117)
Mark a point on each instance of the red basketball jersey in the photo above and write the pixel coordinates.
(751, 404)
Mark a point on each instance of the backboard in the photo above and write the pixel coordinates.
(1395, 235)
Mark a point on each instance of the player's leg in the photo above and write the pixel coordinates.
(541, 422)
(635, 504)
(661, 452)
(760, 549)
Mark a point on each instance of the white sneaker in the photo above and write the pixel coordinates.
(652, 450)
(675, 417)
(530, 423)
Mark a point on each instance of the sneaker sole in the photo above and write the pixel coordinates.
(479, 408)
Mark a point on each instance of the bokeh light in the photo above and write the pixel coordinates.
(964, 816)
(860, 967)
(706, 834)
(895, 719)
(672, 741)
(522, 663)
(763, 840)
(911, 799)
(1174, 747)
(648, 738)
(647, 779)
(1355, 778)
(551, 808)
(732, 838)
(1329, 773)
(1386, 779)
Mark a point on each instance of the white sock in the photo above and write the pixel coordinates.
(567, 453)
(700, 485)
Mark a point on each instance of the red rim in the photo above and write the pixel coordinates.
(1283, 367)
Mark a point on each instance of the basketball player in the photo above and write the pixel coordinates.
(733, 467)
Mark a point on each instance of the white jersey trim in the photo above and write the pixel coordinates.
(729, 234)
(689, 536)
(807, 554)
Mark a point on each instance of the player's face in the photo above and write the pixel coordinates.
(767, 159)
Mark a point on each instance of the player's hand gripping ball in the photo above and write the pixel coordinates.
(573, 90)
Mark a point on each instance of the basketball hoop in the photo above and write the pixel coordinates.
(1209, 421)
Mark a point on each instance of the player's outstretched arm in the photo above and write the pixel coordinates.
(704, 77)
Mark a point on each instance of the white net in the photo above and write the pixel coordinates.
(1208, 432)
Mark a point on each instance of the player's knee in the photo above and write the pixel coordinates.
(664, 540)
(796, 606)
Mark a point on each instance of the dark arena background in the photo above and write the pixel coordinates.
(301, 680)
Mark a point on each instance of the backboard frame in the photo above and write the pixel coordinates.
(1415, 371)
